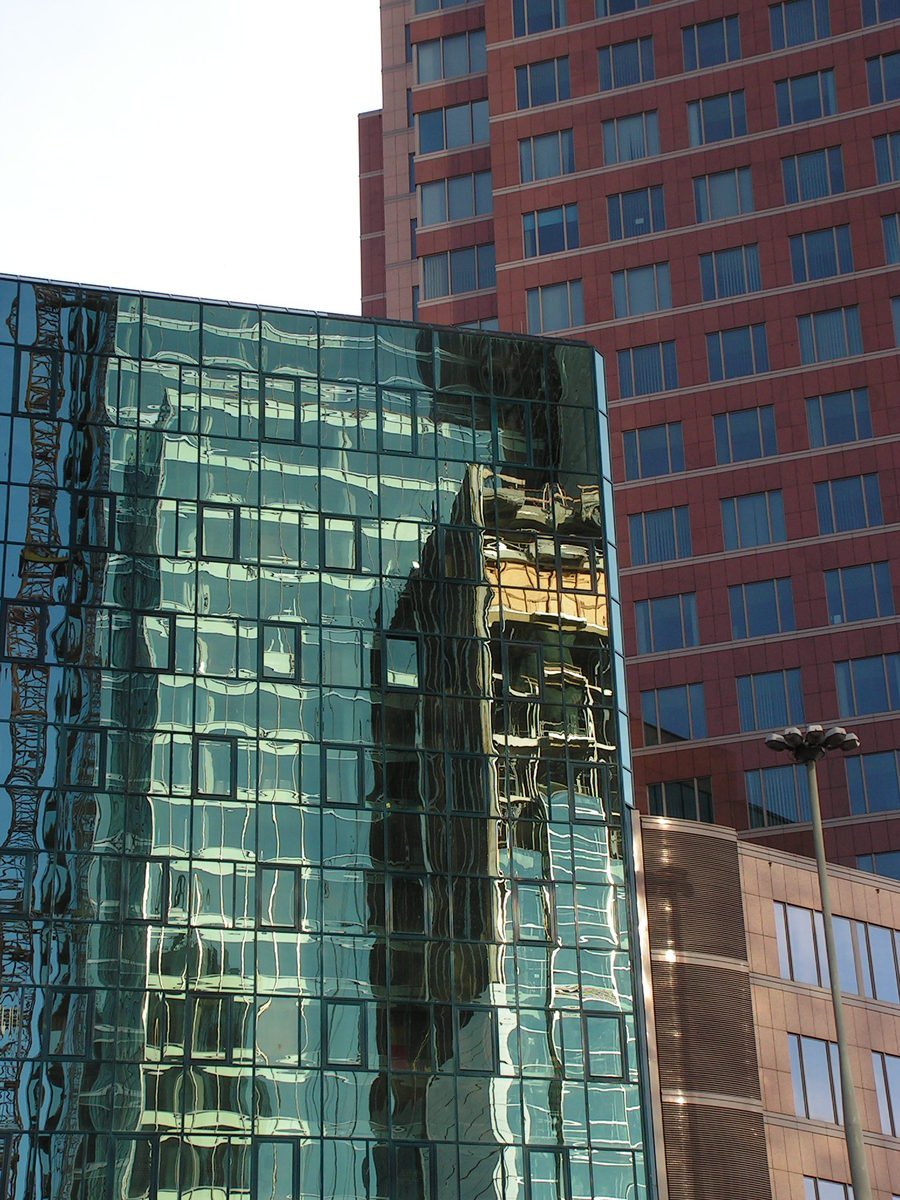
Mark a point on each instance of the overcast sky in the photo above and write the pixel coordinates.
(201, 147)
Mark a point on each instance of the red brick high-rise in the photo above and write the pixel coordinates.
(707, 190)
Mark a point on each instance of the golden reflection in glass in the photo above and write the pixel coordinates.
(311, 876)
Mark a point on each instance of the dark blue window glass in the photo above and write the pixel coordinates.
(660, 536)
(887, 157)
(634, 213)
(770, 700)
(836, 333)
(551, 230)
(674, 714)
(716, 118)
(735, 352)
(611, 8)
(725, 273)
(798, 21)
(890, 226)
(813, 175)
(547, 155)
(868, 685)
(859, 593)
(777, 796)
(753, 520)
(542, 83)
(806, 97)
(682, 799)
(762, 608)
(626, 64)
(839, 417)
(666, 623)
(647, 369)
(851, 503)
(886, 863)
(656, 450)
(711, 43)
(877, 11)
(743, 435)
(639, 290)
(537, 16)
(884, 78)
(820, 254)
(723, 194)
(873, 781)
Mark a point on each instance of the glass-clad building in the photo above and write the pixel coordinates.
(313, 876)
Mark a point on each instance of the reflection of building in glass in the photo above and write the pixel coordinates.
(311, 856)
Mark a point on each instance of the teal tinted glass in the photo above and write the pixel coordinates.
(310, 651)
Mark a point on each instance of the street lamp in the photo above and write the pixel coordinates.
(808, 748)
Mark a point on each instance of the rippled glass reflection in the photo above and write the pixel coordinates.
(311, 876)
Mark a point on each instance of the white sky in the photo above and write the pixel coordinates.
(201, 147)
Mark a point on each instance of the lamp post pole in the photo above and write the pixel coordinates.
(807, 748)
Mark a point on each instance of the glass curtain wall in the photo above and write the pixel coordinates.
(312, 876)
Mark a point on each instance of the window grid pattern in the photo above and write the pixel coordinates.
(733, 272)
(667, 623)
(555, 306)
(891, 230)
(661, 535)
(806, 97)
(639, 290)
(287, 528)
(451, 57)
(859, 593)
(716, 118)
(547, 155)
(813, 175)
(839, 417)
(550, 230)
(884, 77)
(868, 685)
(834, 333)
(770, 700)
(756, 519)
(612, 8)
(647, 369)
(816, 1077)
(469, 269)
(777, 796)
(626, 139)
(887, 157)
(654, 450)
(798, 21)
(538, 16)
(682, 799)
(820, 254)
(826, 1189)
(634, 213)
(673, 714)
(723, 194)
(873, 781)
(542, 83)
(711, 43)
(456, 199)
(452, 127)
(626, 64)
(746, 434)
(846, 504)
(877, 11)
(732, 353)
(868, 955)
(761, 609)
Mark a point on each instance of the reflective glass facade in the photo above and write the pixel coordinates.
(312, 876)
